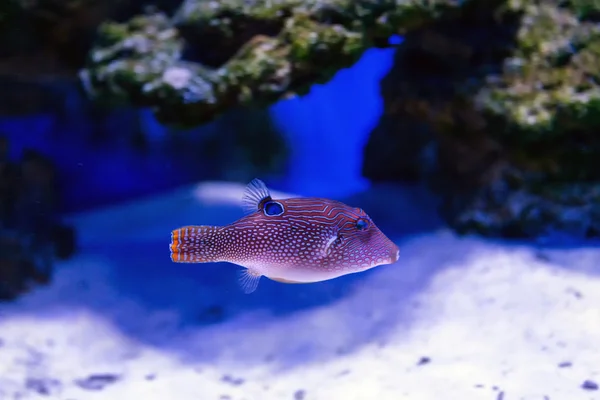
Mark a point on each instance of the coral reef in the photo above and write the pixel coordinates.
(494, 102)
(44, 43)
(499, 109)
(210, 56)
(30, 234)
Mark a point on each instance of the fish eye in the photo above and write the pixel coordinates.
(362, 224)
(273, 208)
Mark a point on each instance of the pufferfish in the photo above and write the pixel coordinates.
(296, 240)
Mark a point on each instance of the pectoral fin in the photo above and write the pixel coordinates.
(248, 280)
(333, 241)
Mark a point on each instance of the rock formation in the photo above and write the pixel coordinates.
(210, 56)
(499, 109)
(30, 235)
(493, 102)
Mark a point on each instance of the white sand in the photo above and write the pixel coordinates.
(495, 320)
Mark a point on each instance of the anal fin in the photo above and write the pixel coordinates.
(248, 279)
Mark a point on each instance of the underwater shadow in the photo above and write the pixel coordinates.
(198, 313)
(205, 318)
(124, 274)
(142, 267)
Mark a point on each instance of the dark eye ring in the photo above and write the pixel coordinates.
(273, 208)
(362, 224)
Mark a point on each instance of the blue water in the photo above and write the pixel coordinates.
(325, 129)
(120, 308)
(328, 128)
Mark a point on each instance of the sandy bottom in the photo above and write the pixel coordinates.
(454, 318)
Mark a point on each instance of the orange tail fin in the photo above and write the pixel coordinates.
(195, 244)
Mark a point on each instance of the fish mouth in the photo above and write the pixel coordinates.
(395, 256)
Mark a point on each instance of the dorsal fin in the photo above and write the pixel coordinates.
(255, 194)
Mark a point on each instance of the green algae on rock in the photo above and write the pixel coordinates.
(509, 97)
(213, 55)
(44, 44)
(502, 94)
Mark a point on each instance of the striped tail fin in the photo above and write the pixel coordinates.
(195, 244)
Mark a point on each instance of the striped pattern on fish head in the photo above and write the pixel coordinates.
(356, 244)
(308, 239)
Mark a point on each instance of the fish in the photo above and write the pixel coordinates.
(293, 240)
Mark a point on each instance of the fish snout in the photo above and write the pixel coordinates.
(393, 252)
(388, 250)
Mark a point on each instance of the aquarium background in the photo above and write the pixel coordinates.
(496, 211)
(126, 154)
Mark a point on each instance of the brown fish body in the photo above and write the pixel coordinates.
(297, 240)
